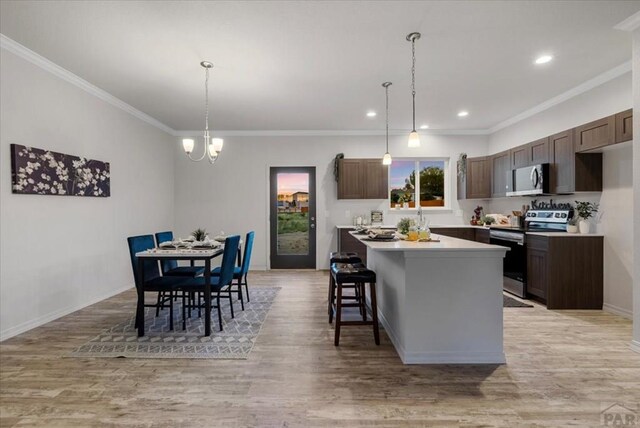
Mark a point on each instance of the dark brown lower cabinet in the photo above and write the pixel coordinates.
(482, 235)
(565, 272)
(348, 243)
(468, 233)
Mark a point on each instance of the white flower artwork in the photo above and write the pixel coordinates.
(43, 172)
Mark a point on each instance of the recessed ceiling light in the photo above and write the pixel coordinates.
(543, 59)
(424, 126)
(463, 113)
(371, 114)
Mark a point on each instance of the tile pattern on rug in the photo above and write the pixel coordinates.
(234, 342)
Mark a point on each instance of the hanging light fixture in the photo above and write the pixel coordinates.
(212, 146)
(414, 138)
(386, 159)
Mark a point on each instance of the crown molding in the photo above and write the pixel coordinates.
(329, 133)
(632, 23)
(565, 96)
(64, 74)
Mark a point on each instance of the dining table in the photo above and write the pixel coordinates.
(184, 254)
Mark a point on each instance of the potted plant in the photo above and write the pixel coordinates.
(585, 210)
(199, 234)
(572, 225)
(487, 220)
(404, 225)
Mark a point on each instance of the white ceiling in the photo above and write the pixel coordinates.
(319, 65)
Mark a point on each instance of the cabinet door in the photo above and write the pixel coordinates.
(478, 178)
(467, 233)
(539, 151)
(350, 179)
(593, 135)
(376, 179)
(520, 156)
(562, 159)
(500, 167)
(624, 126)
(537, 272)
(482, 235)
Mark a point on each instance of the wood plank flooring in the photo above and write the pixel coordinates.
(562, 367)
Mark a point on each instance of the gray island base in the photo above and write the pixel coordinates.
(440, 302)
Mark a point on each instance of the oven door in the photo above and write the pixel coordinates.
(515, 261)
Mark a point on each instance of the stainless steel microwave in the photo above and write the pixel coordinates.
(530, 180)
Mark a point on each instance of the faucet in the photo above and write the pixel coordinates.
(420, 216)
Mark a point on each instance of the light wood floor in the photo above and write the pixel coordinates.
(562, 367)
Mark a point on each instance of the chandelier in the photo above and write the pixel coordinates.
(212, 146)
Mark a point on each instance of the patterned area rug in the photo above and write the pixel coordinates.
(234, 342)
(510, 302)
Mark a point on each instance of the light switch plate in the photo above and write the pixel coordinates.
(458, 213)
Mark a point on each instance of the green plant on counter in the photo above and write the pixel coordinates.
(199, 234)
(573, 221)
(404, 224)
(586, 209)
(487, 220)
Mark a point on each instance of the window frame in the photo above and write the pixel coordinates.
(447, 184)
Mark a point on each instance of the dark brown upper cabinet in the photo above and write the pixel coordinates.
(500, 171)
(624, 126)
(520, 156)
(539, 150)
(362, 179)
(562, 154)
(573, 172)
(596, 134)
(476, 182)
(376, 179)
(533, 153)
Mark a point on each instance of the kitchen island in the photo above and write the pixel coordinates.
(440, 302)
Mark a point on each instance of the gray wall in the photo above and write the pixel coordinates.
(59, 254)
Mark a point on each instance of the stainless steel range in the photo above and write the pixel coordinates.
(515, 262)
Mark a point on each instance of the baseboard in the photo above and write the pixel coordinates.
(616, 310)
(454, 358)
(29, 325)
(635, 346)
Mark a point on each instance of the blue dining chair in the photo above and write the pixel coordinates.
(220, 284)
(240, 272)
(170, 267)
(153, 281)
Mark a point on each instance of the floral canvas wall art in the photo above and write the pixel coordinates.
(43, 172)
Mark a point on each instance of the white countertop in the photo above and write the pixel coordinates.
(446, 244)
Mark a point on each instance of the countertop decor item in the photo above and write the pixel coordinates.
(386, 159)
(336, 170)
(572, 225)
(404, 224)
(43, 172)
(585, 211)
(414, 138)
(212, 146)
(199, 234)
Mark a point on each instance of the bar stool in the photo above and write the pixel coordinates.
(346, 274)
(339, 257)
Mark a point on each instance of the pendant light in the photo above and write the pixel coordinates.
(414, 138)
(212, 146)
(386, 159)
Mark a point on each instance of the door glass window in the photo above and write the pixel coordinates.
(293, 213)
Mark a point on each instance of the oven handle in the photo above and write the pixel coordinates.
(515, 241)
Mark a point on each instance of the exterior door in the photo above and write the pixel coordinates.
(293, 217)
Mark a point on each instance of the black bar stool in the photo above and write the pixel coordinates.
(339, 257)
(355, 275)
